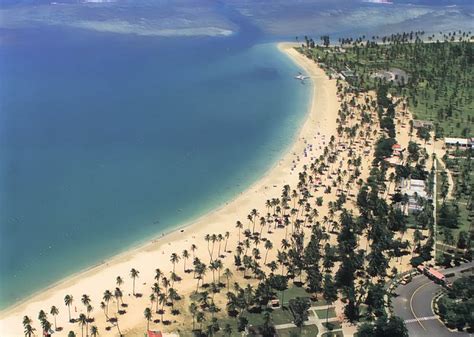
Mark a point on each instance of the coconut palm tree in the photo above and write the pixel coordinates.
(118, 295)
(193, 250)
(228, 274)
(158, 274)
(226, 235)
(82, 322)
(54, 311)
(134, 274)
(162, 301)
(71, 334)
(86, 300)
(42, 315)
(268, 246)
(193, 309)
(220, 238)
(119, 281)
(68, 299)
(29, 330)
(107, 296)
(103, 307)
(148, 317)
(94, 331)
(239, 225)
(174, 259)
(185, 256)
(26, 321)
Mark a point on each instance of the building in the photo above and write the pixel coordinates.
(414, 189)
(465, 143)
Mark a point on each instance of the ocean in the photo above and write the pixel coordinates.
(108, 141)
(119, 122)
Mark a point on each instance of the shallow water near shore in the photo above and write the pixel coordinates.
(108, 141)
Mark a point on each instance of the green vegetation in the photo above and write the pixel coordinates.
(456, 211)
(456, 308)
(306, 331)
(323, 313)
(436, 77)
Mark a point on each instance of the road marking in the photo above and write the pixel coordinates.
(427, 318)
(411, 303)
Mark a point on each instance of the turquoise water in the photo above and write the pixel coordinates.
(122, 120)
(108, 140)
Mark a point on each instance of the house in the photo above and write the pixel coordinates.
(466, 143)
(414, 189)
(348, 75)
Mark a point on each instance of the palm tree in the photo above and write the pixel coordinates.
(220, 238)
(107, 296)
(228, 274)
(185, 257)
(71, 334)
(103, 307)
(268, 246)
(26, 321)
(162, 301)
(174, 259)
(119, 281)
(148, 317)
(42, 315)
(86, 300)
(226, 235)
(82, 321)
(68, 299)
(193, 249)
(29, 330)
(54, 311)
(118, 295)
(158, 274)
(193, 310)
(200, 318)
(94, 331)
(134, 274)
(239, 225)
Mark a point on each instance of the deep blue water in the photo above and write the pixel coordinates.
(111, 134)
(107, 140)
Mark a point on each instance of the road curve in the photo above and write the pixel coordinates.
(413, 305)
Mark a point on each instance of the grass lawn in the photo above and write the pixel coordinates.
(306, 331)
(335, 325)
(293, 292)
(282, 316)
(323, 312)
(333, 334)
(463, 212)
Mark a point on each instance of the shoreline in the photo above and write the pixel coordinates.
(142, 245)
(144, 255)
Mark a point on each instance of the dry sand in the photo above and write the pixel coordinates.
(320, 124)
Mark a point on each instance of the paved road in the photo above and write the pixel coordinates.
(413, 304)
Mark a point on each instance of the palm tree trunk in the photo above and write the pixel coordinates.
(69, 309)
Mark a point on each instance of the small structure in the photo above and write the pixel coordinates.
(466, 143)
(414, 189)
(348, 75)
(417, 123)
(393, 161)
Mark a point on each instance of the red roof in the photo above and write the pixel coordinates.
(433, 272)
(154, 333)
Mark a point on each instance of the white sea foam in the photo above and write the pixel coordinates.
(125, 27)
